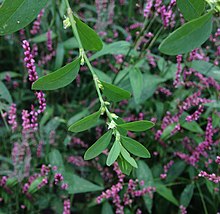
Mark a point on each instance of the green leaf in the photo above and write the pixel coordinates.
(85, 123)
(42, 38)
(56, 159)
(79, 185)
(191, 9)
(135, 148)
(137, 126)
(106, 208)
(167, 131)
(166, 193)
(89, 38)
(34, 185)
(114, 93)
(4, 93)
(206, 68)
(102, 76)
(114, 153)
(191, 126)
(124, 166)
(186, 195)
(119, 47)
(99, 146)
(143, 172)
(18, 14)
(128, 157)
(188, 37)
(58, 79)
(136, 80)
(175, 171)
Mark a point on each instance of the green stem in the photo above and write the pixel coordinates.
(202, 199)
(83, 55)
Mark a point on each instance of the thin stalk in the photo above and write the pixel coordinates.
(202, 199)
(83, 55)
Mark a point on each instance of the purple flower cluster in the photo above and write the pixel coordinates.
(29, 62)
(12, 117)
(147, 9)
(165, 169)
(66, 206)
(130, 194)
(182, 209)
(36, 26)
(195, 116)
(177, 81)
(211, 177)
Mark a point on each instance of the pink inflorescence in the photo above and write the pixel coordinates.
(29, 62)
(165, 169)
(36, 26)
(130, 194)
(211, 177)
(12, 117)
(195, 116)
(177, 81)
(66, 206)
(183, 209)
(58, 177)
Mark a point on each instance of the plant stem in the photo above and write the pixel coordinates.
(202, 199)
(83, 55)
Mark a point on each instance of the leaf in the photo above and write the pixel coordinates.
(191, 126)
(89, 38)
(206, 68)
(137, 126)
(119, 47)
(166, 193)
(136, 80)
(167, 131)
(99, 146)
(34, 185)
(106, 208)
(188, 37)
(43, 37)
(56, 159)
(58, 79)
(128, 157)
(191, 9)
(124, 166)
(175, 171)
(114, 153)
(114, 93)
(143, 173)
(186, 195)
(4, 93)
(79, 185)
(135, 148)
(17, 15)
(85, 123)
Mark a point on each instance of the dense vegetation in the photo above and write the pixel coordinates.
(109, 106)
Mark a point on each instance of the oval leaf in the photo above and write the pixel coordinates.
(114, 93)
(18, 14)
(136, 80)
(191, 9)
(137, 126)
(188, 37)
(114, 153)
(124, 166)
(58, 79)
(135, 148)
(186, 195)
(128, 157)
(85, 123)
(100, 145)
(89, 38)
